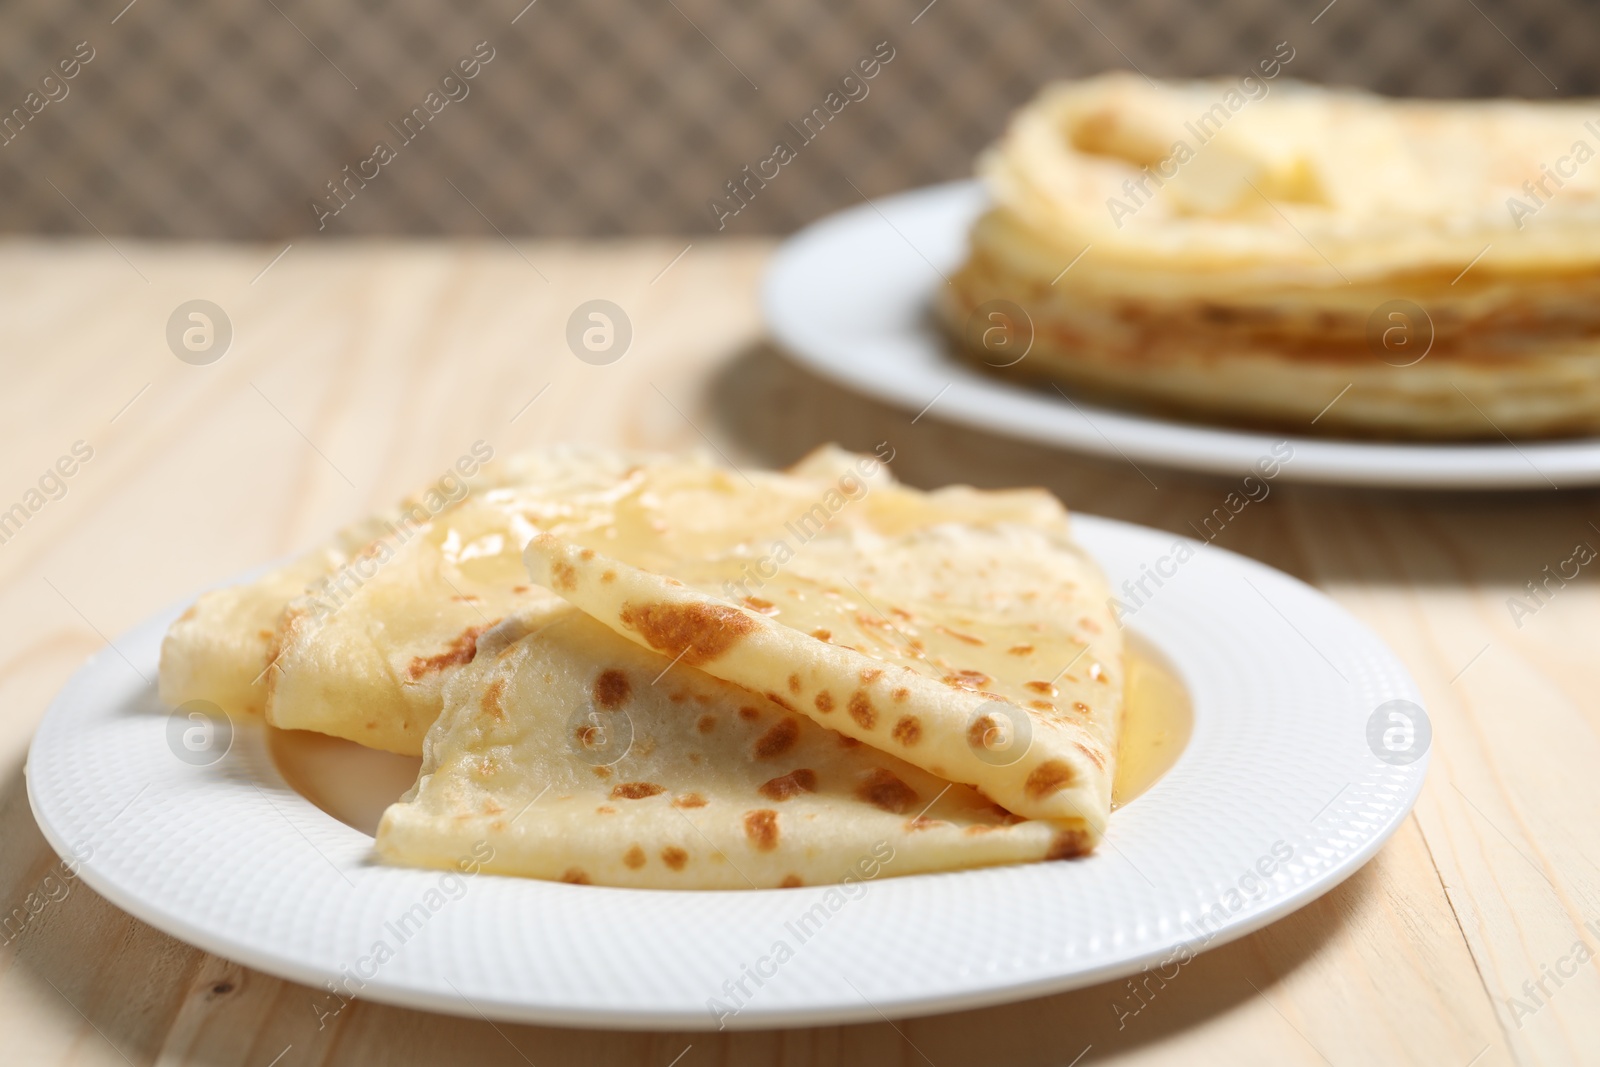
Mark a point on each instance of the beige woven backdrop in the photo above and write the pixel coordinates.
(229, 118)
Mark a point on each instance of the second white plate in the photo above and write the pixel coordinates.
(850, 297)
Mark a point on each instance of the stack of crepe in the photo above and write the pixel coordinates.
(1253, 251)
(645, 670)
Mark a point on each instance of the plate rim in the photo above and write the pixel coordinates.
(977, 994)
(1024, 412)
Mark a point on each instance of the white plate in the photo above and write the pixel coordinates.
(1284, 683)
(850, 296)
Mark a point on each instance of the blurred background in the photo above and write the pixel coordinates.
(230, 118)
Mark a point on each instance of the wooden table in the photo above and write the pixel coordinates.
(359, 370)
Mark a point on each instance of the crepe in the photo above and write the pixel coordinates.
(425, 634)
(566, 752)
(230, 646)
(983, 653)
(1254, 249)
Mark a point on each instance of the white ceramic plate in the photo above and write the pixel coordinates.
(850, 297)
(1279, 774)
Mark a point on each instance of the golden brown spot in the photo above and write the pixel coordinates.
(870, 675)
(586, 555)
(900, 695)
(756, 604)
(1067, 844)
(457, 653)
(761, 827)
(491, 698)
(1046, 778)
(612, 689)
(563, 576)
(635, 790)
(983, 729)
(959, 636)
(824, 701)
(601, 772)
(861, 710)
(608, 577)
(521, 588)
(265, 635)
(1020, 650)
(689, 800)
(794, 683)
(674, 857)
(1046, 688)
(822, 635)
(778, 739)
(706, 723)
(794, 783)
(634, 857)
(605, 809)
(749, 714)
(882, 789)
(977, 828)
(697, 632)
(967, 679)
(575, 876)
(908, 731)
(1080, 707)
(1041, 705)
(1091, 755)
(790, 881)
(921, 822)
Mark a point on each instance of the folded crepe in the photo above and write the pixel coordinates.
(401, 595)
(1253, 249)
(983, 653)
(566, 752)
(1009, 704)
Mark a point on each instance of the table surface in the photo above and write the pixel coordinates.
(357, 371)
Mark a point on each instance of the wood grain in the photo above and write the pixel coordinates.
(358, 370)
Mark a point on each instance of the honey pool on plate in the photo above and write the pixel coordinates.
(355, 784)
